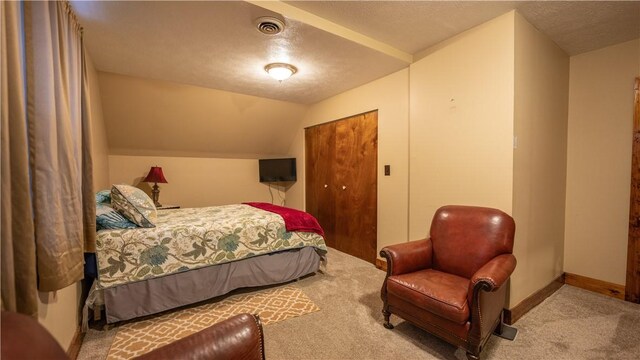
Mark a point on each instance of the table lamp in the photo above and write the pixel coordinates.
(155, 176)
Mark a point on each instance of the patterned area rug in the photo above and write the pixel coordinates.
(274, 305)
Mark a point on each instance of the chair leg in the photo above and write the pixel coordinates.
(471, 356)
(505, 331)
(498, 330)
(387, 315)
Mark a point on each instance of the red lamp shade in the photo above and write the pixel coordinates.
(155, 175)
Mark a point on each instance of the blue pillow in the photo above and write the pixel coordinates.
(108, 218)
(103, 197)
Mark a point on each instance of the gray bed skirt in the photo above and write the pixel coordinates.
(152, 296)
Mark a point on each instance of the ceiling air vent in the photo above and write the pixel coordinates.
(269, 25)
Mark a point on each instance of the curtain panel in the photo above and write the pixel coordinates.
(88, 191)
(47, 176)
(18, 255)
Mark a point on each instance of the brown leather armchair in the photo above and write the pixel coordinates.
(453, 284)
(239, 337)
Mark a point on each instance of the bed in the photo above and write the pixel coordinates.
(195, 254)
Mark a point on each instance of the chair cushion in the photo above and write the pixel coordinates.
(440, 293)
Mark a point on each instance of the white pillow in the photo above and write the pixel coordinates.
(134, 204)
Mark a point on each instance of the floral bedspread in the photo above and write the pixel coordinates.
(186, 239)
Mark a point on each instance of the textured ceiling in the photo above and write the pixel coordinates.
(411, 26)
(581, 26)
(215, 45)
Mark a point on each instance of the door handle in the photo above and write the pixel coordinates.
(344, 187)
(325, 186)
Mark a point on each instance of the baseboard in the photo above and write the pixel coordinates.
(514, 314)
(76, 343)
(381, 264)
(595, 285)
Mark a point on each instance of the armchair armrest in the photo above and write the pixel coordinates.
(494, 273)
(487, 294)
(239, 337)
(408, 257)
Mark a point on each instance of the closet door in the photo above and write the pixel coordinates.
(319, 178)
(356, 179)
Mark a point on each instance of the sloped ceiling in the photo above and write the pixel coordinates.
(160, 118)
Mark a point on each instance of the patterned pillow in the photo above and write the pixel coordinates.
(103, 197)
(108, 218)
(134, 204)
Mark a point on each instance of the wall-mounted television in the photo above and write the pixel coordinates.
(277, 170)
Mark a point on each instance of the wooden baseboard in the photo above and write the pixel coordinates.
(595, 285)
(381, 264)
(514, 314)
(76, 343)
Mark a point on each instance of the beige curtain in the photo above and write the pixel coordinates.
(88, 192)
(18, 257)
(59, 147)
(48, 210)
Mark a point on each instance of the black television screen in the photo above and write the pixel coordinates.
(276, 170)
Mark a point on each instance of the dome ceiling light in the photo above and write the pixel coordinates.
(280, 71)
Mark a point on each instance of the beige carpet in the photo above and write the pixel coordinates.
(571, 324)
(274, 305)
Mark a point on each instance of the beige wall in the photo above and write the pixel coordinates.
(389, 95)
(194, 182)
(99, 131)
(59, 311)
(461, 123)
(599, 161)
(160, 118)
(539, 160)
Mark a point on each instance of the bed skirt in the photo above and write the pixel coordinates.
(128, 301)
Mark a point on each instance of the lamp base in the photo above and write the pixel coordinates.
(155, 195)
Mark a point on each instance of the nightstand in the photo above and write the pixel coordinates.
(168, 207)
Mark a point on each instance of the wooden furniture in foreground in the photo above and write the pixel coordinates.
(453, 284)
(341, 182)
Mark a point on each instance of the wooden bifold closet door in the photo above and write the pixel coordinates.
(342, 180)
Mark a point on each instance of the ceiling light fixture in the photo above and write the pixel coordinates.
(280, 71)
